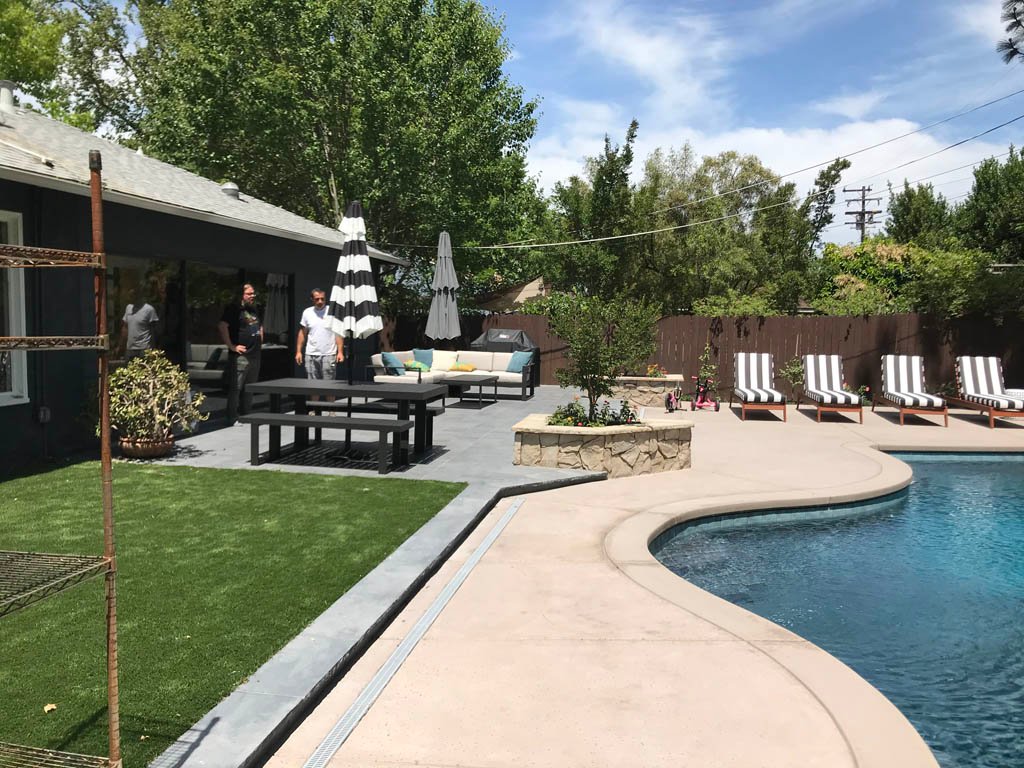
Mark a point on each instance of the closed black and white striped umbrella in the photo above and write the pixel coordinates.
(443, 319)
(353, 311)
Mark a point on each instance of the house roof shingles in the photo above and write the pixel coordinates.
(37, 150)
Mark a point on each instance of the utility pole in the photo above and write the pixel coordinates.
(863, 218)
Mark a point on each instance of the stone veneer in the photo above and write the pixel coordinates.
(646, 391)
(633, 449)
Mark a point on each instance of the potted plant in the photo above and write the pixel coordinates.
(149, 398)
(793, 373)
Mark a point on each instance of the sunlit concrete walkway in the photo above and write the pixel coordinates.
(569, 645)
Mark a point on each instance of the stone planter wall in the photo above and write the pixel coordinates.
(646, 391)
(636, 449)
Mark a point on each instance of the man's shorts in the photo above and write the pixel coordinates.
(320, 366)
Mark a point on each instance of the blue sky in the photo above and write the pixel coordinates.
(792, 81)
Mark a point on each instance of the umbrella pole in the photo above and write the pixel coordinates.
(348, 411)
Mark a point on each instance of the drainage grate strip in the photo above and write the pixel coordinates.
(348, 722)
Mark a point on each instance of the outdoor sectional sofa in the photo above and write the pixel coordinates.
(485, 363)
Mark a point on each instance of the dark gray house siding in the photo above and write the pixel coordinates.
(60, 301)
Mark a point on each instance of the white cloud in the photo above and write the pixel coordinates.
(851, 106)
(676, 56)
(581, 127)
(980, 18)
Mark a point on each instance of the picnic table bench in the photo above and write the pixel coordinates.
(373, 406)
(398, 428)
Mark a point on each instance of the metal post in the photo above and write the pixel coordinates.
(100, 289)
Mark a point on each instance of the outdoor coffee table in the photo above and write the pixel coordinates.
(464, 381)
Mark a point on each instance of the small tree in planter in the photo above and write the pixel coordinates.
(149, 397)
(605, 338)
(793, 372)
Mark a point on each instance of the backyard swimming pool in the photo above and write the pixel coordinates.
(921, 593)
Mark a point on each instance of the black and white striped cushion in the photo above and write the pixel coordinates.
(903, 382)
(823, 381)
(755, 374)
(981, 381)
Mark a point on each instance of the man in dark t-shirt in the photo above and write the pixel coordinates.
(241, 331)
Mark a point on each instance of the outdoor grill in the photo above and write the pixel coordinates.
(509, 340)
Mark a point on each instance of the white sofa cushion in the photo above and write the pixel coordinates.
(484, 361)
(444, 359)
(508, 377)
(501, 361)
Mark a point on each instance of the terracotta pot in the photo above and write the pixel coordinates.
(142, 448)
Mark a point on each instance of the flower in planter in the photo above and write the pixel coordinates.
(655, 371)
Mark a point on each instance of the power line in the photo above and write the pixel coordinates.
(843, 157)
(739, 213)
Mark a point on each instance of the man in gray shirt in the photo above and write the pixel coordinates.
(137, 327)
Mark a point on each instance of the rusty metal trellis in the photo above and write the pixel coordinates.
(38, 343)
(30, 256)
(14, 756)
(27, 577)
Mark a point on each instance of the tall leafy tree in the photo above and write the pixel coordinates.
(918, 215)
(598, 206)
(992, 216)
(820, 202)
(30, 36)
(403, 104)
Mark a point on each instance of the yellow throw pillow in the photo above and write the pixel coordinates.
(416, 365)
(464, 367)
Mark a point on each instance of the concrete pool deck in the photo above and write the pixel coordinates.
(569, 645)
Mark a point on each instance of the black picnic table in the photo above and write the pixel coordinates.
(300, 390)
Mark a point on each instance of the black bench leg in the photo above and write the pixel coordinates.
(254, 444)
(396, 449)
(430, 429)
(382, 454)
(275, 441)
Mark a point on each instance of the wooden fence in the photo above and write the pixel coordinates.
(860, 340)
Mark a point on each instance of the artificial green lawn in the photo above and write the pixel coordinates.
(217, 570)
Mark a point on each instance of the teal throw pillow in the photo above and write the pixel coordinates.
(519, 361)
(392, 364)
(425, 356)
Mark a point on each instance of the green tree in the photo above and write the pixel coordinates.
(992, 216)
(597, 206)
(918, 215)
(604, 339)
(30, 35)
(818, 205)
(307, 105)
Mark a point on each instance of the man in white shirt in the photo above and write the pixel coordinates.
(323, 348)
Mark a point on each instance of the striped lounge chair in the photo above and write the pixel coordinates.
(755, 377)
(903, 387)
(823, 386)
(980, 383)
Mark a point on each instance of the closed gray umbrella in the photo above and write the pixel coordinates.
(443, 319)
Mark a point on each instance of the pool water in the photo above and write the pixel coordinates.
(922, 594)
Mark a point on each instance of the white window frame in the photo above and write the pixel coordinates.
(18, 395)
